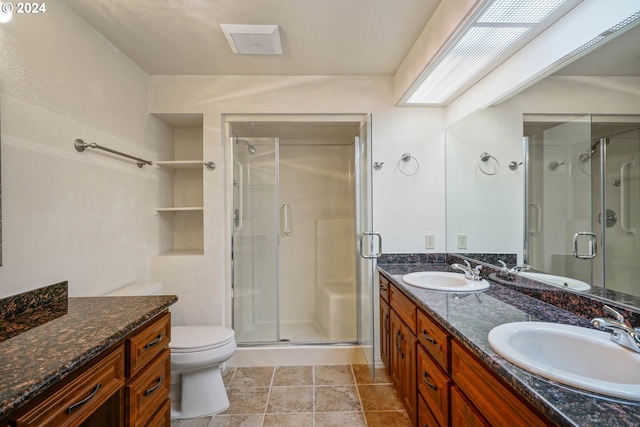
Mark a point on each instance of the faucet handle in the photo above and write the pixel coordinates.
(503, 264)
(619, 317)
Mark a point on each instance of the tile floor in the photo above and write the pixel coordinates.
(307, 396)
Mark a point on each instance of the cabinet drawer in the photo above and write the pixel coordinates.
(425, 417)
(162, 418)
(405, 308)
(145, 394)
(434, 339)
(145, 345)
(463, 413)
(434, 386)
(384, 286)
(494, 400)
(77, 400)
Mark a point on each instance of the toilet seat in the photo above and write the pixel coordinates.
(188, 339)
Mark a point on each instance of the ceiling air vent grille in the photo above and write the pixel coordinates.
(253, 39)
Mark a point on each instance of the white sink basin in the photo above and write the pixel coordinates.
(444, 281)
(580, 357)
(560, 281)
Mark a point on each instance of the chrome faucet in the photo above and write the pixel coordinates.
(511, 273)
(621, 332)
(469, 273)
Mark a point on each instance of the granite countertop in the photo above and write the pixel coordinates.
(37, 351)
(469, 319)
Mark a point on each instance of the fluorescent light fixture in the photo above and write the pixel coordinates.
(497, 30)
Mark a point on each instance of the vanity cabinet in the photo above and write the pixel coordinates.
(440, 383)
(128, 385)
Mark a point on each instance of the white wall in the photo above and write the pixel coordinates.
(83, 217)
(405, 208)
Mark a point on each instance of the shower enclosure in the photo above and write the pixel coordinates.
(583, 199)
(296, 220)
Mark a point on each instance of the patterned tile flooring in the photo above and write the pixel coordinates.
(307, 396)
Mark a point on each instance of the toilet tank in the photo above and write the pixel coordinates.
(139, 289)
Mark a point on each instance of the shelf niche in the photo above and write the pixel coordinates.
(182, 220)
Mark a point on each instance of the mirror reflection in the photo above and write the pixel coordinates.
(540, 197)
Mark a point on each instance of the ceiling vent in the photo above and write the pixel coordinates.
(253, 39)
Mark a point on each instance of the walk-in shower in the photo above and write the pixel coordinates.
(294, 233)
(583, 199)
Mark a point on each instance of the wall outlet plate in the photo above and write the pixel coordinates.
(462, 241)
(429, 241)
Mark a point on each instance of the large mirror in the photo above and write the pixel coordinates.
(528, 176)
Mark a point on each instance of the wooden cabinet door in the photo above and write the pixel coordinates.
(385, 334)
(463, 413)
(408, 387)
(395, 361)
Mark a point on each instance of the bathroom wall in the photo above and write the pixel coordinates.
(405, 208)
(83, 217)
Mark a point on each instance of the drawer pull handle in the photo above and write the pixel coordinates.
(431, 385)
(154, 342)
(383, 288)
(428, 337)
(155, 387)
(77, 405)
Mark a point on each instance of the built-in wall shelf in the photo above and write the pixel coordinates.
(180, 164)
(180, 209)
(181, 219)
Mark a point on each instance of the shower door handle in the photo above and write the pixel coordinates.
(372, 254)
(593, 244)
(286, 218)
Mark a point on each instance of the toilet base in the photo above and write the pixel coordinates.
(202, 393)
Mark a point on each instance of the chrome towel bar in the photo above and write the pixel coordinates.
(80, 145)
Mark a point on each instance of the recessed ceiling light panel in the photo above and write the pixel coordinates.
(253, 39)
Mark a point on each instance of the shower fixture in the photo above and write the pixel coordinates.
(250, 148)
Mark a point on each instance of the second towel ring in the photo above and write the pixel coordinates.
(484, 157)
(406, 157)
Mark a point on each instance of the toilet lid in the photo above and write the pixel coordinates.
(198, 338)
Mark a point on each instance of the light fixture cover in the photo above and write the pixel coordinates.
(253, 39)
(500, 27)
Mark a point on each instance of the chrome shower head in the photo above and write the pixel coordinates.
(250, 148)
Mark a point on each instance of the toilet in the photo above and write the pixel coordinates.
(197, 388)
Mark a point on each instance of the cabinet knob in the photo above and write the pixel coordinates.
(210, 165)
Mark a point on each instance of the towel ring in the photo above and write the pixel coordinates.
(406, 157)
(484, 157)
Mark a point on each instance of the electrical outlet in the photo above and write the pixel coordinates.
(429, 241)
(462, 241)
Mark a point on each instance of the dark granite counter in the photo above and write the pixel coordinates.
(37, 351)
(469, 319)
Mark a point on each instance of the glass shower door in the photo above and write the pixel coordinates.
(255, 240)
(621, 193)
(369, 246)
(559, 228)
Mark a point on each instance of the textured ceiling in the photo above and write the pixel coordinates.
(319, 37)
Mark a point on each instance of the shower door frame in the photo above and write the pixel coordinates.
(228, 121)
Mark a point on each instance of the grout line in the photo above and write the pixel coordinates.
(355, 380)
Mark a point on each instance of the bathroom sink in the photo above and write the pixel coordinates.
(580, 357)
(560, 281)
(444, 281)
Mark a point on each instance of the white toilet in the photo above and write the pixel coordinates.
(196, 354)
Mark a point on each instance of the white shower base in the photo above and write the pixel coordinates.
(301, 332)
(297, 355)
